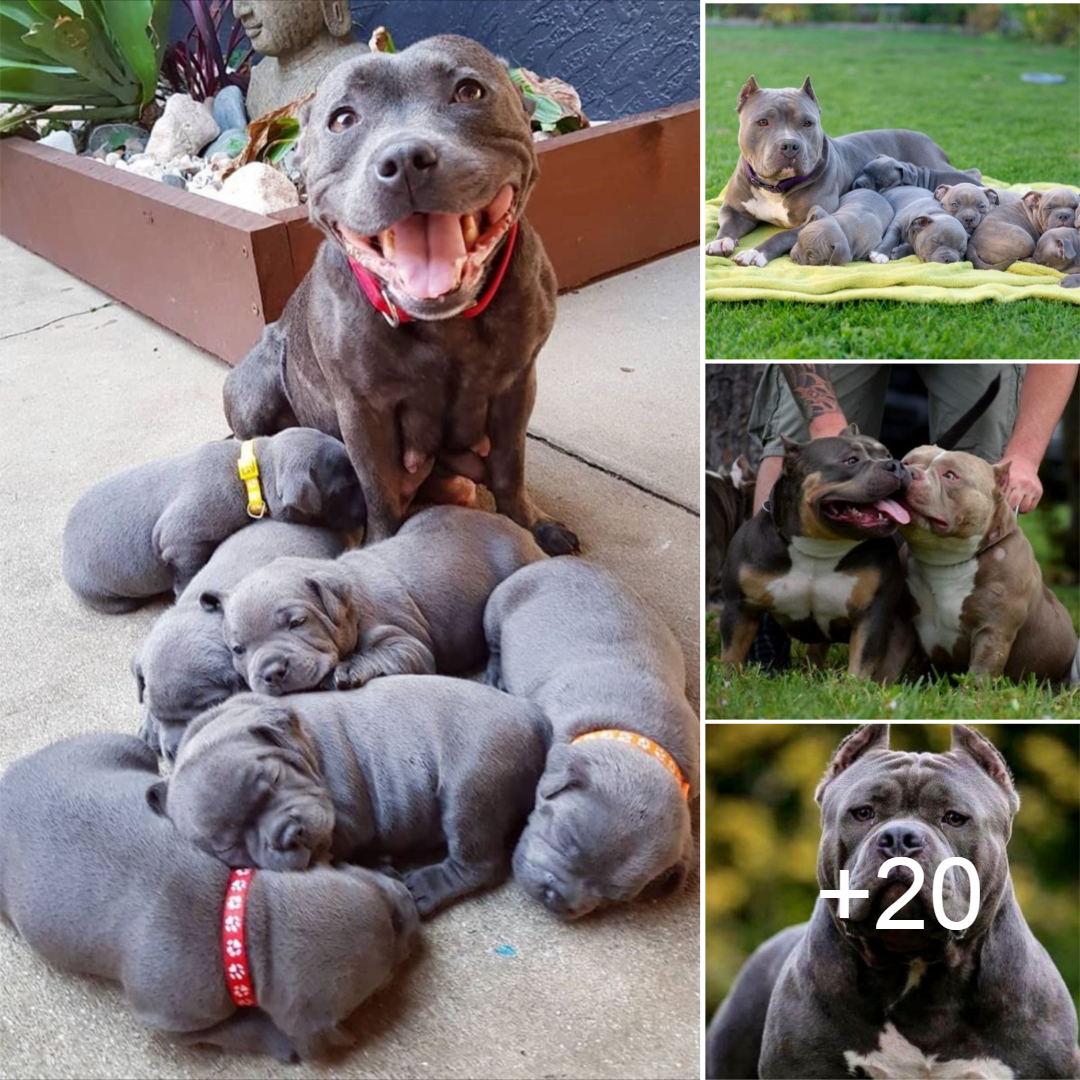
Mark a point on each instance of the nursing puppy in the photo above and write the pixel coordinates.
(150, 529)
(849, 235)
(395, 769)
(98, 885)
(884, 172)
(1010, 233)
(612, 820)
(980, 602)
(1060, 249)
(970, 203)
(184, 666)
(411, 605)
(922, 227)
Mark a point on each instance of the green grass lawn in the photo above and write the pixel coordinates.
(966, 94)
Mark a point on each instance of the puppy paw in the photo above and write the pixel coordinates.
(878, 257)
(425, 887)
(555, 538)
(723, 246)
(1071, 281)
(750, 257)
(348, 677)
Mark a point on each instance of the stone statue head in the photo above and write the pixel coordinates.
(276, 27)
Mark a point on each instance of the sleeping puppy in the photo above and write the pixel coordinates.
(184, 666)
(921, 227)
(411, 605)
(1010, 233)
(849, 235)
(1060, 249)
(150, 529)
(398, 768)
(98, 885)
(884, 172)
(970, 203)
(612, 817)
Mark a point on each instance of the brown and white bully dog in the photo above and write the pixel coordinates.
(980, 604)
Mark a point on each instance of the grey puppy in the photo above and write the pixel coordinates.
(184, 666)
(99, 885)
(788, 165)
(396, 769)
(851, 234)
(970, 203)
(611, 822)
(1010, 233)
(418, 167)
(1060, 249)
(844, 996)
(150, 529)
(411, 605)
(922, 227)
(884, 172)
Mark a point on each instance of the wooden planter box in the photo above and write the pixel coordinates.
(608, 197)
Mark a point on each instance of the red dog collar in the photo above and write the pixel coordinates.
(233, 943)
(376, 292)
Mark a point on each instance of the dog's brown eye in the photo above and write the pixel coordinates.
(954, 819)
(808, 123)
(298, 621)
(862, 813)
(468, 90)
(763, 123)
(340, 119)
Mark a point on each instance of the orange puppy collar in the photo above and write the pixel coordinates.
(632, 738)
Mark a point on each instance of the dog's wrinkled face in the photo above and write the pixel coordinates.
(246, 788)
(289, 624)
(779, 130)
(847, 484)
(968, 203)
(884, 172)
(1059, 248)
(821, 241)
(878, 804)
(315, 480)
(417, 163)
(604, 830)
(938, 238)
(1055, 209)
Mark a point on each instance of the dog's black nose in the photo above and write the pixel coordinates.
(406, 163)
(291, 836)
(274, 671)
(901, 840)
(791, 147)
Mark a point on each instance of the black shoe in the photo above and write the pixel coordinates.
(772, 647)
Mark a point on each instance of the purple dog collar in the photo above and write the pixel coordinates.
(784, 185)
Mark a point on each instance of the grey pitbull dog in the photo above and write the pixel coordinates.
(150, 529)
(612, 818)
(1060, 248)
(884, 172)
(418, 167)
(841, 997)
(396, 769)
(1010, 233)
(922, 227)
(184, 666)
(411, 605)
(99, 885)
(970, 203)
(788, 165)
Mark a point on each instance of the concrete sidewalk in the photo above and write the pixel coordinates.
(90, 387)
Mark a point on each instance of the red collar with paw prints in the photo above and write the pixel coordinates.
(234, 942)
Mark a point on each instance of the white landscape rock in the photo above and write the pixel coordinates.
(59, 140)
(257, 187)
(185, 127)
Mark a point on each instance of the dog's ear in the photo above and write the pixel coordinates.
(850, 431)
(992, 196)
(564, 769)
(750, 88)
(332, 594)
(920, 223)
(966, 740)
(298, 491)
(140, 680)
(1032, 199)
(817, 213)
(278, 726)
(666, 884)
(941, 191)
(908, 173)
(1001, 477)
(808, 90)
(792, 449)
(156, 795)
(742, 472)
(860, 742)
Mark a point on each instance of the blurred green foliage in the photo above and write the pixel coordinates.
(762, 827)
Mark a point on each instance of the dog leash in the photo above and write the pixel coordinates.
(377, 296)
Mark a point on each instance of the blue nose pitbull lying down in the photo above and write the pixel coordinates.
(99, 885)
(1010, 233)
(884, 172)
(922, 227)
(394, 769)
(410, 605)
(149, 530)
(184, 666)
(840, 997)
(611, 820)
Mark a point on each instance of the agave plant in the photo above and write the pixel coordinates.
(79, 59)
(199, 66)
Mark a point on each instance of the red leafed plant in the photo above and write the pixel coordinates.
(198, 66)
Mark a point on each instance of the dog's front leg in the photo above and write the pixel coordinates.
(371, 437)
(507, 424)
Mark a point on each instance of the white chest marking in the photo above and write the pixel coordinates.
(897, 1059)
(767, 206)
(812, 588)
(940, 592)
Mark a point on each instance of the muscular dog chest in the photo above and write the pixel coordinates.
(767, 206)
(939, 593)
(812, 588)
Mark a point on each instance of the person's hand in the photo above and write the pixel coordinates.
(1023, 485)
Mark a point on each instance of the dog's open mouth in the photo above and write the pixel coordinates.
(429, 256)
(934, 524)
(882, 513)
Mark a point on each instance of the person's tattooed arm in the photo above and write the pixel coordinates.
(814, 394)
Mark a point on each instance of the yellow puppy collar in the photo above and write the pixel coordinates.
(248, 468)
(632, 738)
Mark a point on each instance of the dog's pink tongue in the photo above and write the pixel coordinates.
(429, 249)
(893, 510)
